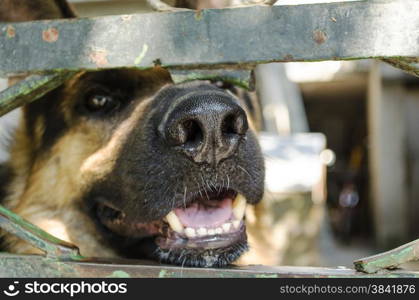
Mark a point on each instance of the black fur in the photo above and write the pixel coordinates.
(5, 179)
(203, 258)
(47, 108)
(146, 162)
(6, 175)
(151, 178)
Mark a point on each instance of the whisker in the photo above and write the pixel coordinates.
(244, 170)
(204, 183)
(183, 263)
(214, 186)
(222, 186)
(199, 188)
(184, 197)
(173, 202)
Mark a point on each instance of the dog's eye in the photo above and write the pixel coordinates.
(101, 103)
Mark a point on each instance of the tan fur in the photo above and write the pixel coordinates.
(48, 187)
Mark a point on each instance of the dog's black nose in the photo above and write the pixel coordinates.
(206, 125)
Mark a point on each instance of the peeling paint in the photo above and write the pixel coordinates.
(140, 57)
(162, 273)
(50, 35)
(99, 57)
(157, 62)
(266, 276)
(10, 31)
(126, 18)
(288, 57)
(119, 274)
(319, 36)
(198, 15)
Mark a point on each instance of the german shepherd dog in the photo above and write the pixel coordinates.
(125, 163)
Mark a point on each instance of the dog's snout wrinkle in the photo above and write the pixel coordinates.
(206, 127)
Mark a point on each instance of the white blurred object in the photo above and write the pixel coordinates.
(328, 157)
(293, 163)
(8, 123)
(3, 84)
(297, 2)
(313, 71)
(281, 99)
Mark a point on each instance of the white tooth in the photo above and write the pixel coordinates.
(190, 232)
(239, 207)
(211, 231)
(218, 230)
(174, 222)
(236, 224)
(226, 227)
(202, 231)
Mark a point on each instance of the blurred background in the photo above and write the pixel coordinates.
(342, 155)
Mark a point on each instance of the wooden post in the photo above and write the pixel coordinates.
(387, 159)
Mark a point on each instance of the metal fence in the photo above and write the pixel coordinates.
(53, 51)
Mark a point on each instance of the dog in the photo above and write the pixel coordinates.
(125, 163)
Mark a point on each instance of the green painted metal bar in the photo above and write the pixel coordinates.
(36, 86)
(52, 246)
(242, 78)
(30, 89)
(214, 38)
(38, 266)
(390, 259)
(409, 65)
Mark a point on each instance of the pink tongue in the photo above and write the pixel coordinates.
(197, 215)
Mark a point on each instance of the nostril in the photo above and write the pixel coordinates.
(234, 124)
(192, 132)
(187, 133)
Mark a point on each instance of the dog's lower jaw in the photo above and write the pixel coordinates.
(208, 252)
(202, 258)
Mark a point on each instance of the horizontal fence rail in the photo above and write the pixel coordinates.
(194, 45)
(39, 266)
(214, 38)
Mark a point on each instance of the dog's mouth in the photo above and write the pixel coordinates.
(208, 223)
(207, 231)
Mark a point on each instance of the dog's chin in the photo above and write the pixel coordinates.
(208, 231)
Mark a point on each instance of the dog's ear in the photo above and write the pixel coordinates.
(31, 10)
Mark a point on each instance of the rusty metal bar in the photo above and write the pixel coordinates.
(52, 246)
(30, 89)
(35, 86)
(390, 259)
(408, 64)
(214, 38)
(38, 266)
(242, 78)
